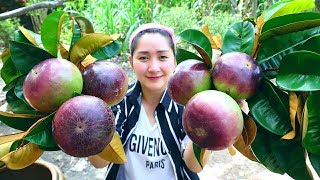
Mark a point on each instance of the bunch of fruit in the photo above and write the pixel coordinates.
(212, 118)
(83, 125)
(60, 96)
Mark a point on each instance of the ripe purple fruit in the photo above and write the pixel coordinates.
(236, 74)
(105, 80)
(51, 83)
(83, 126)
(190, 77)
(212, 120)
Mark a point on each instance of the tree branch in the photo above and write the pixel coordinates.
(25, 10)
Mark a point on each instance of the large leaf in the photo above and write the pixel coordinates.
(9, 72)
(280, 156)
(289, 23)
(76, 35)
(198, 153)
(11, 84)
(263, 151)
(42, 133)
(31, 36)
(18, 89)
(274, 8)
(243, 144)
(299, 71)
(81, 27)
(88, 44)
(270, 108)
(50, 31)
(84, 25)
(5, 148)
(293, 103)
(288, 7)
(20, 37)
(271, 51)
(216, 42)
(18, 121)
(22, 157)
(312, 44)
(11, 137)
(182, 55)
(108, 51)
(311, 138)
(26, 56)
(114, 152)
(200, 42)
(315, 161)
(239, 38)
(16, 105)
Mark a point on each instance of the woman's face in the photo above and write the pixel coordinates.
(153, 62)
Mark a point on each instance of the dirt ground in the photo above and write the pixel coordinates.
(221, 165)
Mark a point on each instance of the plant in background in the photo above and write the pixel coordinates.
(6, 28)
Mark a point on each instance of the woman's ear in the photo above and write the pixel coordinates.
(130, 60)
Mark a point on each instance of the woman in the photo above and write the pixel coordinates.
(147, 120)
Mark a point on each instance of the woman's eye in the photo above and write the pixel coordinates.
(143, 58)
(163, 57)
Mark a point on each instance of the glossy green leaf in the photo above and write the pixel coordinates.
(182, 55)
(270, 108)
(26, 56)
(288, 24)
(315, 161)
(17, 105)
(75, 36)
(263, 151)
(19, 37)
(108, 51)
(9, 71)
(299, 71)
(200, 42)
(56, 148)
(42, 133)
(280, 156)
(18, 121)
(16, 144)
(50, 31)
(89, 44)
(239, 38)
(85, 25)
(288, 7)
(197, 153)
(32, 37)
(11, 84)
(311, 138)
(18, 89)
(274, 8)
(271, 51)
(312, 44)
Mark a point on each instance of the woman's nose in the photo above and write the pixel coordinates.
(153, 65)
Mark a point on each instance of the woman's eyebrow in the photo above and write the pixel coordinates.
(147, 52)
(142, 52)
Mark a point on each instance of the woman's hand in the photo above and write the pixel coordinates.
(191, 160)
(97, 161)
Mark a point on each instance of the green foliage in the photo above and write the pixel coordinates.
(6, 28)
(122, 17)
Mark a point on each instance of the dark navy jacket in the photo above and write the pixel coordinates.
(169, 119)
